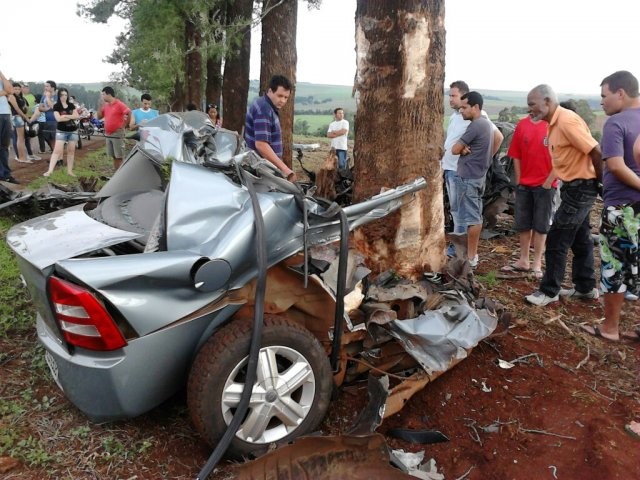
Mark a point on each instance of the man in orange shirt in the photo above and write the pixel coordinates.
(577, 161)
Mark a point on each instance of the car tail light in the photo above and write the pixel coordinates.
(82, 317)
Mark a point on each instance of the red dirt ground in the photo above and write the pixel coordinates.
(559, 413)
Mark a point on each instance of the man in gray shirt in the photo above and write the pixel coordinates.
(474, 148)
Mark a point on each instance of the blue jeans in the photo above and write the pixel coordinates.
(342, 159)
(451, 179)
(571, 229)
(5, 141)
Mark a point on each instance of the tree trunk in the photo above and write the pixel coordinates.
(398, 136)
(236, 69)
(213, 86)
(193, 64)
(278, 56)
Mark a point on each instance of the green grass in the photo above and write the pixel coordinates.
(16, 311)
(489, 279)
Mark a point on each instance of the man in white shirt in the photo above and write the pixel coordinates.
(338, 133)
(456, 128)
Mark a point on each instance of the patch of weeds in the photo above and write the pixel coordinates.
(39, 365)
(8, 439)
(112, 447)
(44, 403)
(10, 408)
(16, 312)
(80, 432)
(32, 452)
(489, 279)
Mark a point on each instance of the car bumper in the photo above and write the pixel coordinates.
(127, 382)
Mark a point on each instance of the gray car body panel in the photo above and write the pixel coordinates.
(206, 217)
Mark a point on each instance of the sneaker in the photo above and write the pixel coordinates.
(34, 157)
(632, 297)
(541, 299)
(23, 161)
(451, 251)
(10, 179)
(474, 261)
(594, 294)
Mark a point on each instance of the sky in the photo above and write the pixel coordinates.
(491, 44)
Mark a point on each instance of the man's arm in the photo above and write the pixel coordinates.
(460, 149)
(12, 100)
(7, 86)
(516, 170)
(497, 141)
(596, 160)
(623, 173)
(337, 133)
(266, 152)
(132, 122)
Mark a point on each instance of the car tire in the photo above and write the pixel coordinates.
(289, 354)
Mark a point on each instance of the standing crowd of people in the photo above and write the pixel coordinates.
(54, 117)
(552, 148)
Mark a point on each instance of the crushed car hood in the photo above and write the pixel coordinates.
(60, 235)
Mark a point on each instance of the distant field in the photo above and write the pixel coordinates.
(315, 121)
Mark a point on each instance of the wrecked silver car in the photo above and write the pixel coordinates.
(197, 264)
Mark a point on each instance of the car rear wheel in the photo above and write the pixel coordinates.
(291, 394)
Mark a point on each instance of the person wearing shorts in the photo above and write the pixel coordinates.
(536, 188)
(621, 195)
(66, 115)
(116, 118)
(475, 150)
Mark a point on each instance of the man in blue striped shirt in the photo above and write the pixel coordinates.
(262, 130)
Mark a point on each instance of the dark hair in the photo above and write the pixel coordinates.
(191, 106)
(279, 81)
(60, 91)
(109, 91)
(211, 105)
(52, 84)
(460, 85)
(145, 96)
(336, 110)
(473, 98)
(622, 80)
(38, 97)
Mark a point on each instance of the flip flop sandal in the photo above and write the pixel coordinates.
(633, 335)
(514, 268)
(597, 333)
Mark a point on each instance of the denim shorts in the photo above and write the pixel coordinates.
(66, 136)
(469, 200)
(533, 208)
(17, 121)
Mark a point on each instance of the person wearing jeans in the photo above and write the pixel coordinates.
(577, 161)
(6, 88)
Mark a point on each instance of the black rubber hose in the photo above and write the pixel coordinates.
(256, 336)
(340, 288)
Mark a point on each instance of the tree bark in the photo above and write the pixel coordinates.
(235, 87)
(193, 64)
(213, 85)
(278, 56)
(399, 134)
